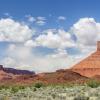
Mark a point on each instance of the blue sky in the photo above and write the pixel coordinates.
(72, 9)
(45, 35)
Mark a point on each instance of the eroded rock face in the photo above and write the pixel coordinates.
(88, 72)
(90, 66)
(61, 76)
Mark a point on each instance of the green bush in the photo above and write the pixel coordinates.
(21, 87)
(53, 96)
(34, 89)
(38, 85)
(93, 84)
(14, 89)
(4, 87)
(81, 98)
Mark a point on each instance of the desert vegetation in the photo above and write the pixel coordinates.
(40, 91)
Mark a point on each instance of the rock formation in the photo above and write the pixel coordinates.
(60, 77)
(90, 66)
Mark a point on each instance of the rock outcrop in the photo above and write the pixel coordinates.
(60, 77)
(90, 66)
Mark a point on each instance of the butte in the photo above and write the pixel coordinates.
(90, 66)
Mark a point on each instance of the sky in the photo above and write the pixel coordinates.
(46, 35)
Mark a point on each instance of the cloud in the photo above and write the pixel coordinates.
(19, 51)
(36, 20)
(7, 15)
(18, 56)
(40, 20)
(30, 18)
(25, 55)
(48, 64)
(30, 43)
(59, 53)
(87, 31)
(22, 57)
(11, 30)
(52, 39)
(8, 61)
(61, 18)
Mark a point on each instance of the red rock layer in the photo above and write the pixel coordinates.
(88, 72)
(90, 66)
(60, 76)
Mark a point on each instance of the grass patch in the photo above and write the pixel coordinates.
(93, 83)
(39, 85)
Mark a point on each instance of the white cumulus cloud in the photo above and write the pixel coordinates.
(11, 30)
(52, 39)
(87, 31)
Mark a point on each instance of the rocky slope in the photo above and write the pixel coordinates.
(60, 76)
(10, 75)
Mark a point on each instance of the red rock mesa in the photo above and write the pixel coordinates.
(90, 66)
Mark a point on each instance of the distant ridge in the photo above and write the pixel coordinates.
(16, 71)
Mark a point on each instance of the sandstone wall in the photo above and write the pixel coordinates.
(88, 72)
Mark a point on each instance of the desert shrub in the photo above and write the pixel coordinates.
(14, 89)
(93, 84)
(1, 87)
(4, 87)
(81, 98)
(38, 85)
(53, 96)
(34, 89)
(21, 87)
